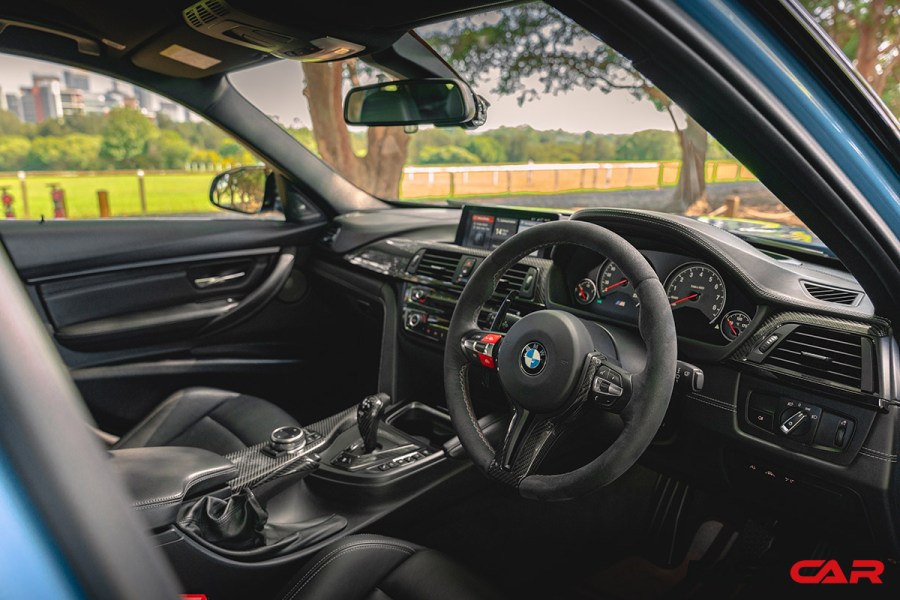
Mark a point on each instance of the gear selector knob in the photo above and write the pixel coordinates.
(368, 418)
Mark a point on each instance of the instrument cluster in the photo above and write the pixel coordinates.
(705, 306)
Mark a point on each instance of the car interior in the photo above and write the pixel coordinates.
(380, 399)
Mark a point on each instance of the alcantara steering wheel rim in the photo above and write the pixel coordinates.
(545, 376)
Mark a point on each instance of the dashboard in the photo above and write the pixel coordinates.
(706, 305)
(798, 396)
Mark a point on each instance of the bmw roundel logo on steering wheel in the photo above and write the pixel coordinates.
(534, 357)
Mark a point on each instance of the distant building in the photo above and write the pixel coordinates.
(94, 104)
(3, 104)
(43, 100)
(14, 105)
(173, 111)
(29, 106)
(146, 100)
(72, 100)
(77, 81)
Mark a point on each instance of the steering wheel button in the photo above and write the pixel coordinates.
(486, 361)
(491, 338)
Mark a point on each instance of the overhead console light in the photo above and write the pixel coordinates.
(216, 18)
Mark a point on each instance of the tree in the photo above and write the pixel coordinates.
(126, 137)
(13, 152)
(486, 148)
(10, 124)
(170, 150)
(76, 152)
(650, 144)
(442, 155)
(379, 170)
(868, 31)
(535, 42)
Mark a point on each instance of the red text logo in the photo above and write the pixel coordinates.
(830, 572)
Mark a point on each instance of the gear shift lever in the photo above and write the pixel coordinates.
(368, 418)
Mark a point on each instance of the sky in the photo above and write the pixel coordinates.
(276, 89)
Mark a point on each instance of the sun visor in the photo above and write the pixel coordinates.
(182, 52)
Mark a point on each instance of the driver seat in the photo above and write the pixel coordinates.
(372, 567)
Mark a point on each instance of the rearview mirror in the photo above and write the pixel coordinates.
(411, 102)
(242, 189)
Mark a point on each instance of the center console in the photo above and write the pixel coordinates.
(256, 514)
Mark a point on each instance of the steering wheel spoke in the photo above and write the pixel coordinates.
(611, 387)
(482, 347)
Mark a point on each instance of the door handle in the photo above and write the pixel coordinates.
(205, 282)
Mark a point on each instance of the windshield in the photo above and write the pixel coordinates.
(571, 124)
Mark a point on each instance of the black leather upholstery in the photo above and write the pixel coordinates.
(371, 567)
(215, 420)
(161, 478)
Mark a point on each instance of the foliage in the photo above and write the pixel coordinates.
(169, 151)
(127, 134)
(867, 32)
(13, 152)
(76, 152)
(10, 124)
(443, 155)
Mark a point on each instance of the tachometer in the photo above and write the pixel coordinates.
(697, 286)
(585, 291)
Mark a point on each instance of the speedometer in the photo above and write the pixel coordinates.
(697, 286)
(613, 280)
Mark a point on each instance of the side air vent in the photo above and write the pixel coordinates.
(438, 264)
(331, 234)
(827, 354)
(519, 278)
(835, 295)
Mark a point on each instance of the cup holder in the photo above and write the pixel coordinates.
(423, 422)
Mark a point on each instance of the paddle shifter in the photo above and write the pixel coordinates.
(369, 414)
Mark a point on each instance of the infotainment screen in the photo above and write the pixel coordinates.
(488, 227)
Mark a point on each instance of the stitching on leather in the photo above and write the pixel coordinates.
(876, 457)
(878, 452)
(336, 553)
(711, 399)
(715, 404)
(185, 487)
(463, 383)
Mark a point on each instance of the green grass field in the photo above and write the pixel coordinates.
(166, 194)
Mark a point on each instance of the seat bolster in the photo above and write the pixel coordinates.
(371, 567)
(216, 420)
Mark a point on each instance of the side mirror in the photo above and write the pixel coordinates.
(242, 189)
(411, 102)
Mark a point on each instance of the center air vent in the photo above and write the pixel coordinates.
(827, 354)
(438, 264)
(835, 295)
(519, 278)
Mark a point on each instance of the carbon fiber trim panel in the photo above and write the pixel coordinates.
(255, 467)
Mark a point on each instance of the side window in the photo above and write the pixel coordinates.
(79, 145)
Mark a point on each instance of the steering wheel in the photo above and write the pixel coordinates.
(550, 370)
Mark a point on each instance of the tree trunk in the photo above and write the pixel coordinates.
(380, 170)
(690, 192)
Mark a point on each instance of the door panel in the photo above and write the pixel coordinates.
(140, 309)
